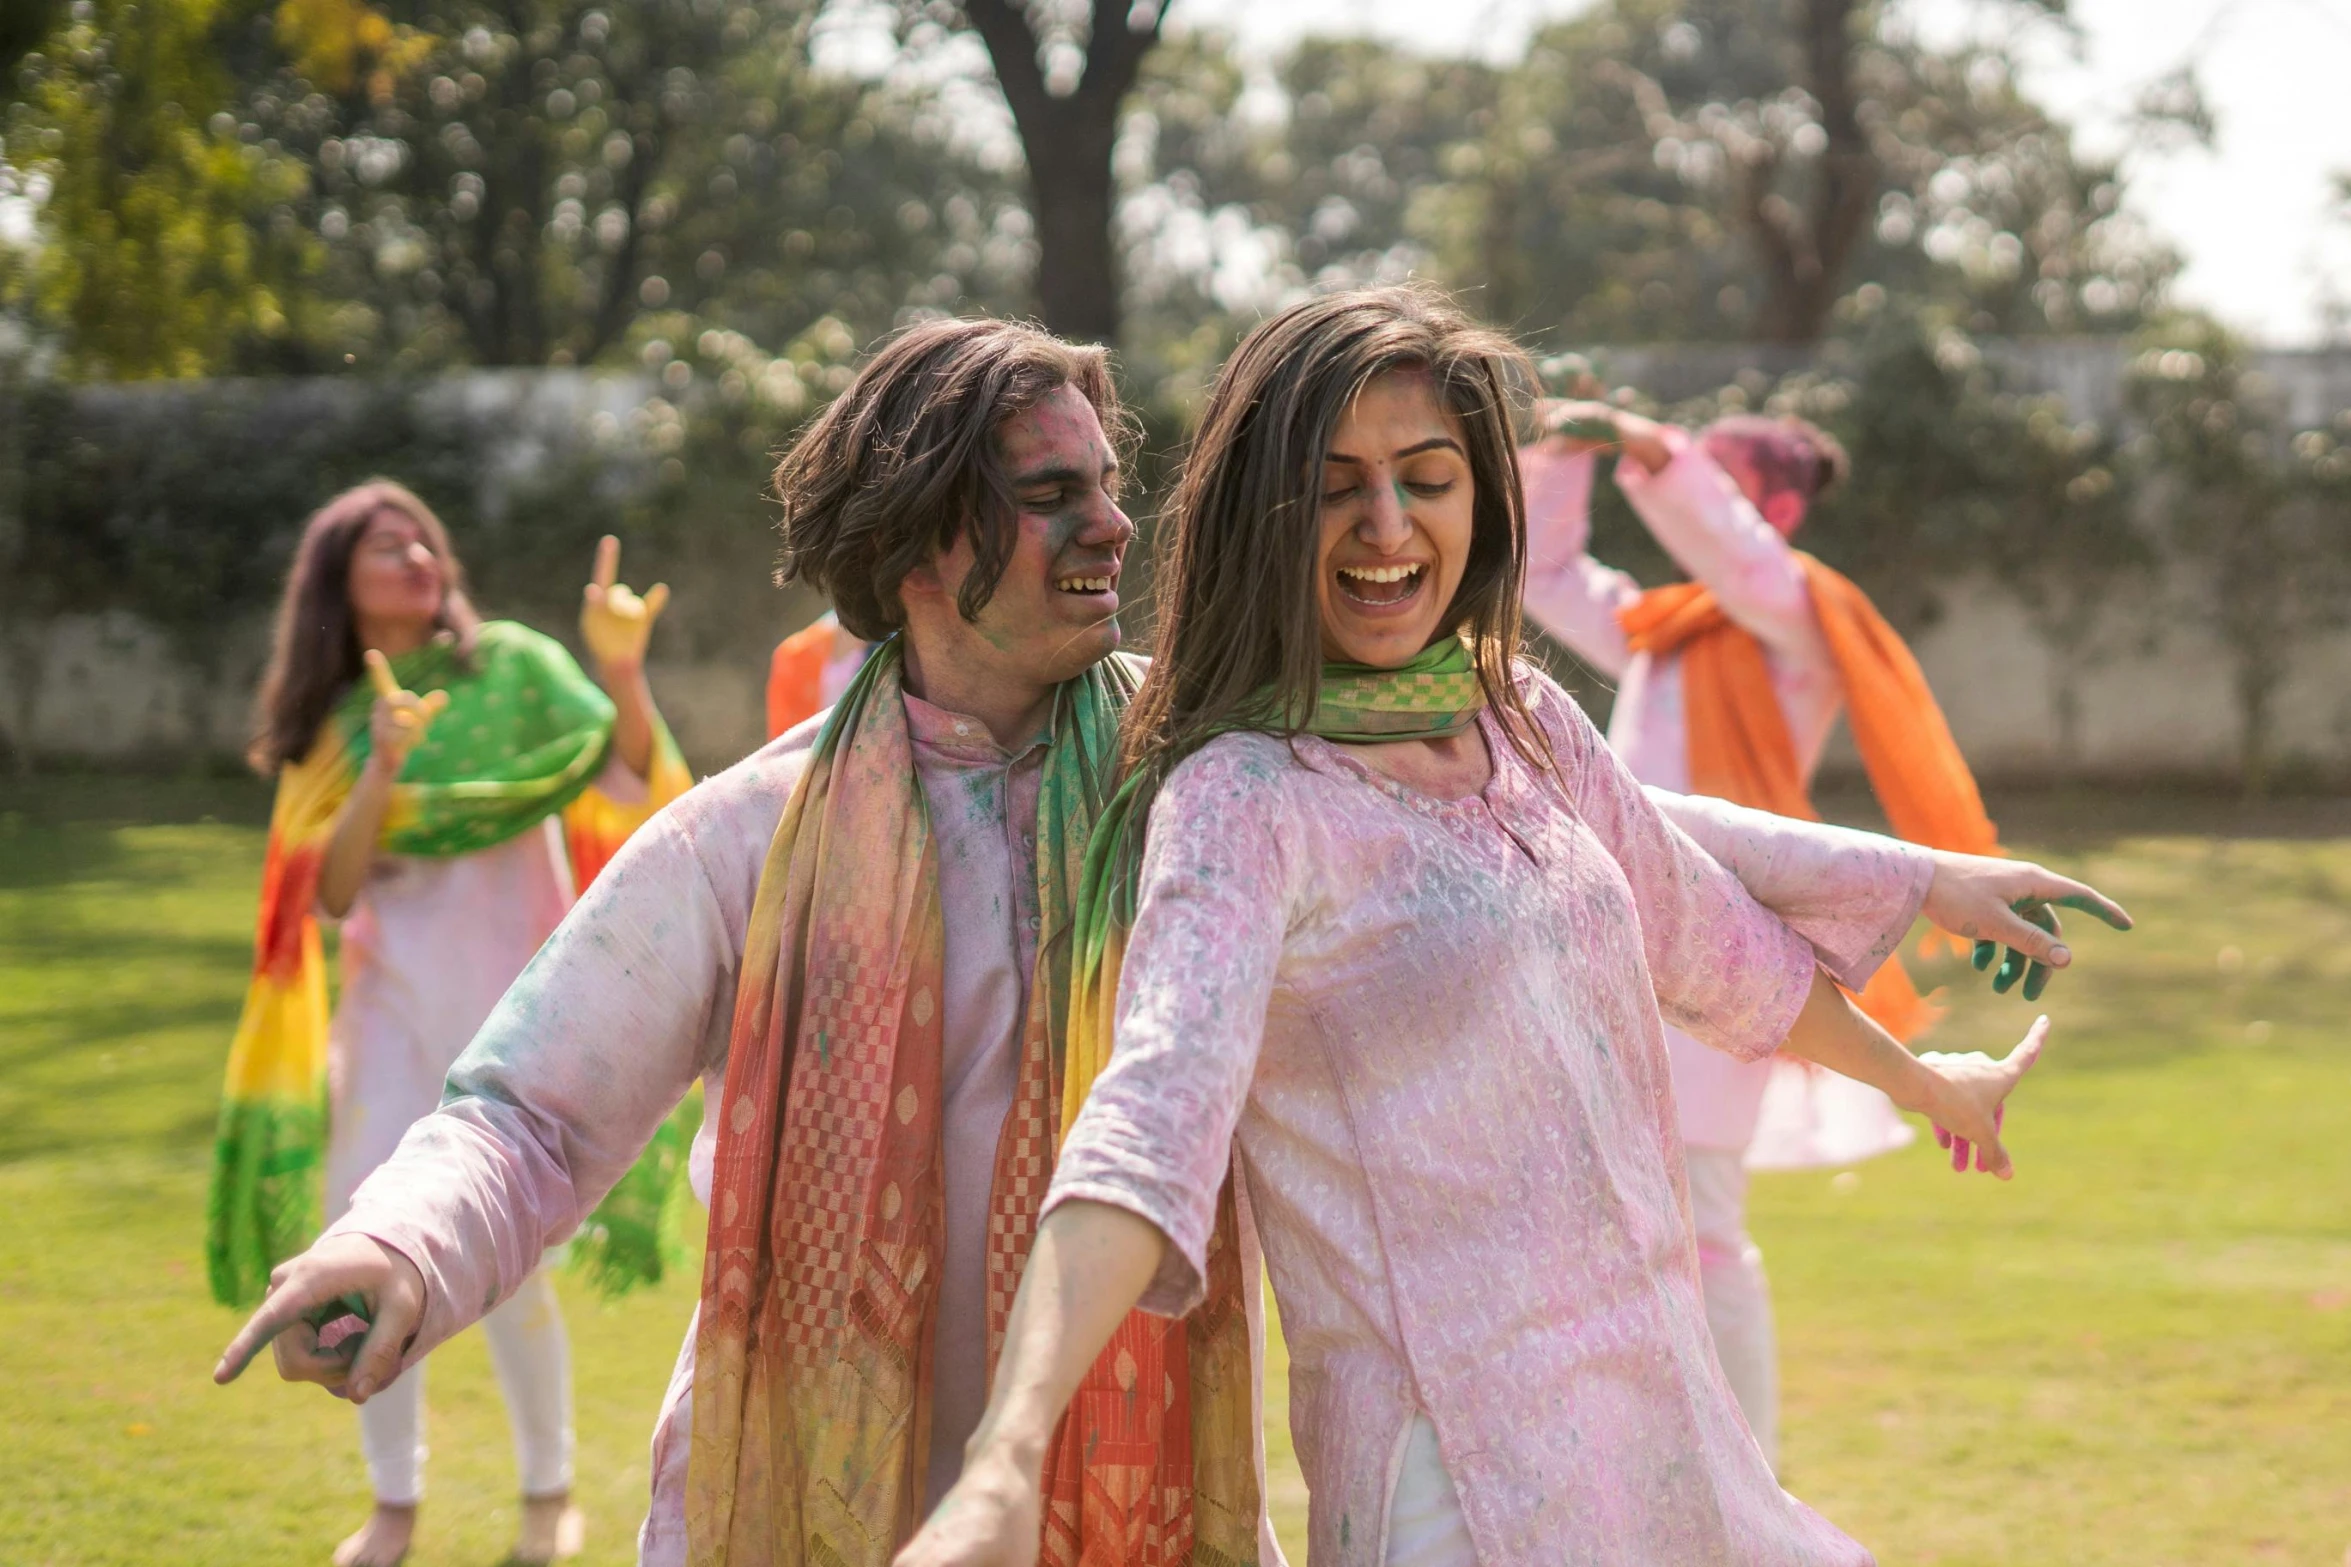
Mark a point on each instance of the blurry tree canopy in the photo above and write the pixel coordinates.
(2260, 526)
(170, 242)
(449, 185)
(1652, 170)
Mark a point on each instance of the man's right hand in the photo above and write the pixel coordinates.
(308, 1292)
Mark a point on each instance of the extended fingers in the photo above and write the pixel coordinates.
(656, 600)
(285, 1306)
(2028, 1051)
(2076, 895)
(379, 674)
(607, 562)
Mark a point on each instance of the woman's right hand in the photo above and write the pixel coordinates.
(1969, 1100)
(993, 1516)
(399, 718)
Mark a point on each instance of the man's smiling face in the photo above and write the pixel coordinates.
(1054, 613)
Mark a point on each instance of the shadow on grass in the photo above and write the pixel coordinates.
(51, 800)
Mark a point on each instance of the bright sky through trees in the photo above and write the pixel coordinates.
(2256, 217)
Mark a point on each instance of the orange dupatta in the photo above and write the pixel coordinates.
(1740, 749)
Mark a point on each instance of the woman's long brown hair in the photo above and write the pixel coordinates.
(314, 649)
(1238, 610)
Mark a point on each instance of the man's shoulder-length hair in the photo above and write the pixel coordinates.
(903, 462)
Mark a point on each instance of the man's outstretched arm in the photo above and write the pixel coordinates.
(557, 1095)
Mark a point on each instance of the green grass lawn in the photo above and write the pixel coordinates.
(2138, 1352)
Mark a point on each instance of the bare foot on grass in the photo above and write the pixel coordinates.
(381, 1541)
(552, 1529)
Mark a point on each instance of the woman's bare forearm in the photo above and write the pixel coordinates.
(1090, 1264)
(632, 717)
(1832, 1032)
(352, 845)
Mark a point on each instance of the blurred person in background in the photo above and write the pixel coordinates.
(809, 671)
(1728, 685)
(445, 787)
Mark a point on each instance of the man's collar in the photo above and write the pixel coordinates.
(963, 736)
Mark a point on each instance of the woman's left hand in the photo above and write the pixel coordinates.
(614, 622)
(1968, 1099)
(2012, 903)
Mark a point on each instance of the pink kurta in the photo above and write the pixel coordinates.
(1712, 531)
(1431, 1031)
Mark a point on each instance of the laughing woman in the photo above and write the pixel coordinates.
(1399, 934)
(445, 787)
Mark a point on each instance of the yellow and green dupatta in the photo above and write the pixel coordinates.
(1436, 694)
(523, 738)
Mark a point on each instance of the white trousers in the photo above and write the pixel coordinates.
(1425, 1526)
(532, 1356)
(1738, 1296)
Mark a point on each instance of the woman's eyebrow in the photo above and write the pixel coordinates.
(1433, 443)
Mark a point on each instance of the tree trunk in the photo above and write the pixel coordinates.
(1072, 200)
(1067, 139)
(2257, 683)
(1804, 250)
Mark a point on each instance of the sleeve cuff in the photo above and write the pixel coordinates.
(1777, 1020)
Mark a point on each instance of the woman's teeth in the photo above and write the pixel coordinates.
(1084, 584)
(1380, 584)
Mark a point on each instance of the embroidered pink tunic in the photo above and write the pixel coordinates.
(1431, 1030)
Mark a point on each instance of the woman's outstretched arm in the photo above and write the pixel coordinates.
(394, 727)
(1090, 1265)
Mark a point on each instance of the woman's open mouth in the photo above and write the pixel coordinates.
(1382, 587)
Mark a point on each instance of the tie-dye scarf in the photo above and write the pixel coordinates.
(812, 1378)
(523, 737)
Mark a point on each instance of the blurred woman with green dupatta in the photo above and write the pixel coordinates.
(446, 786)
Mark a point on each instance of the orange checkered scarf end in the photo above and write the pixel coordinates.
(811, 1407)
(1740, 749)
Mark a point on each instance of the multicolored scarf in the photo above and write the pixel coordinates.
(1435, 695)
(523, 737)
(812, 1374)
